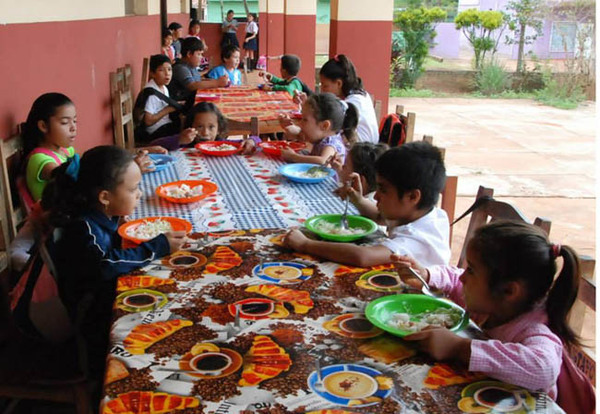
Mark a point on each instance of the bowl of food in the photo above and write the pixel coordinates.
(306, 173)
(141, 230)
(186, 191)
(274, 148)
(218, 148)
(328, 227)
(207, 97)
(406, 314)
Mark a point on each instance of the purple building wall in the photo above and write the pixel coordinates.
(447, 41)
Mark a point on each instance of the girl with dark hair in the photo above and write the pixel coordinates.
(510, 287)
(328, 124)
(48, 137)
(85, 201)
(204, 122)
(250, 42)
(338, 76)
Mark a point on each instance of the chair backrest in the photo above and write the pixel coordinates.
(491, 210)
(243, 128)
(408, 121)
(145, 73)
(122, 107)
(13, 214)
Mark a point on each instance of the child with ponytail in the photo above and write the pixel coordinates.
(329, 125)
(509, 288)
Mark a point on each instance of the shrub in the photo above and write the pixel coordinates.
(566, 93)
(492, 79)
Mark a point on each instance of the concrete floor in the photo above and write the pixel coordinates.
(538, 158)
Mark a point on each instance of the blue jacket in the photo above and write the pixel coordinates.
(88, 257)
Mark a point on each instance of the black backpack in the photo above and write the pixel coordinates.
(138, 111)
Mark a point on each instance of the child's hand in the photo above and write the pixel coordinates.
(144, 162)
(176, 240)
(248, 146)
(441, 344)
(288, 154)
(337, 163)
(293, 133)
(402, 263)
(261, 73)
(295, 239)
(300, 97)
(187, 136)
(156, 149)
(285, 120)
(267, 87)
(223, 81)
(353, 190)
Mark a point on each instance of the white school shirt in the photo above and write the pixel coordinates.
(252, 27)
(367, 129)
(426, 239)
(154, 105)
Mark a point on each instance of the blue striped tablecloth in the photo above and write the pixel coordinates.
(251, 193)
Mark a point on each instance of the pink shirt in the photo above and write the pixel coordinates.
(523, 351)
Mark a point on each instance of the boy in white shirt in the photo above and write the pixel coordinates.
(156, 110)
(409, 181)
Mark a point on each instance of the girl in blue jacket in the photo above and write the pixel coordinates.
(85, 201)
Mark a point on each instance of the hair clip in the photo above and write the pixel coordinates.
(336, 58)
(73, 167)
(555, 250)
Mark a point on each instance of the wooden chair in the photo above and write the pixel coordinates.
(122, 107)
(145, 73)
(243, 128)
(377, 106)
(408, 121)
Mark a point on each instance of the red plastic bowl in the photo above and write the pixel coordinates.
(207, 189)
(274, 147)
(210, 148)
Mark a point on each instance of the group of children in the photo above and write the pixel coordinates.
(509, 285)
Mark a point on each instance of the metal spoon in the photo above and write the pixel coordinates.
(344, 218)
(426, 289)
(319, 382)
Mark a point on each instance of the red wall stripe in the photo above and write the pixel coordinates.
(300, 39)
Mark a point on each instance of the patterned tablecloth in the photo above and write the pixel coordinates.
(240, 103)
(251, 193)
(176, 347)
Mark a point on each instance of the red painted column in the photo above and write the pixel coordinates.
(263, 27)
(364, 34)
(300, 35)
(275, 34)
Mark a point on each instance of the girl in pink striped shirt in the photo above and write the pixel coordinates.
(508, 287)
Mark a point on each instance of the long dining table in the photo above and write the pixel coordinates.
(237, 323)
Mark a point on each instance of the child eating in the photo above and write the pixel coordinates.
(289, 81)
(326, 123)
(510, 286)
(409, 181)
(230, 55)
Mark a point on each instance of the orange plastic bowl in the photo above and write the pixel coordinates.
(210, 148)
(274, 147)
(177, 224)
(208, 188)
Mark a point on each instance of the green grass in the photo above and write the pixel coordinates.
(505, 95)
(559, 103)
(415, 93)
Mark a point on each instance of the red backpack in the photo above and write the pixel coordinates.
(392, 130)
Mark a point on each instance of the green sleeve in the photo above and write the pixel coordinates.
(294, 85)
(277, 81)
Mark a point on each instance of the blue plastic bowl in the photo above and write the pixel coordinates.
(161, 161)
(293, 171)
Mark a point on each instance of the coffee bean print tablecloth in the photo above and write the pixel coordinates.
(177, 345)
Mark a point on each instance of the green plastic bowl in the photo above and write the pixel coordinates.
(380, 310)
(353, 221)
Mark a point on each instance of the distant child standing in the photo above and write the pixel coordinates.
(167, 45)
(48, 137)
(177, 31)
(409, 181)
(229, 29)
(157, 108)
(250, 42)
(230, 56)
(194, 29)
(86, 200)
(289, 81)
(509, 286)
(326, 123)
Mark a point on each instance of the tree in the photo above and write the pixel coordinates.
(478, 26)
(523, 14)
(418, 29)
